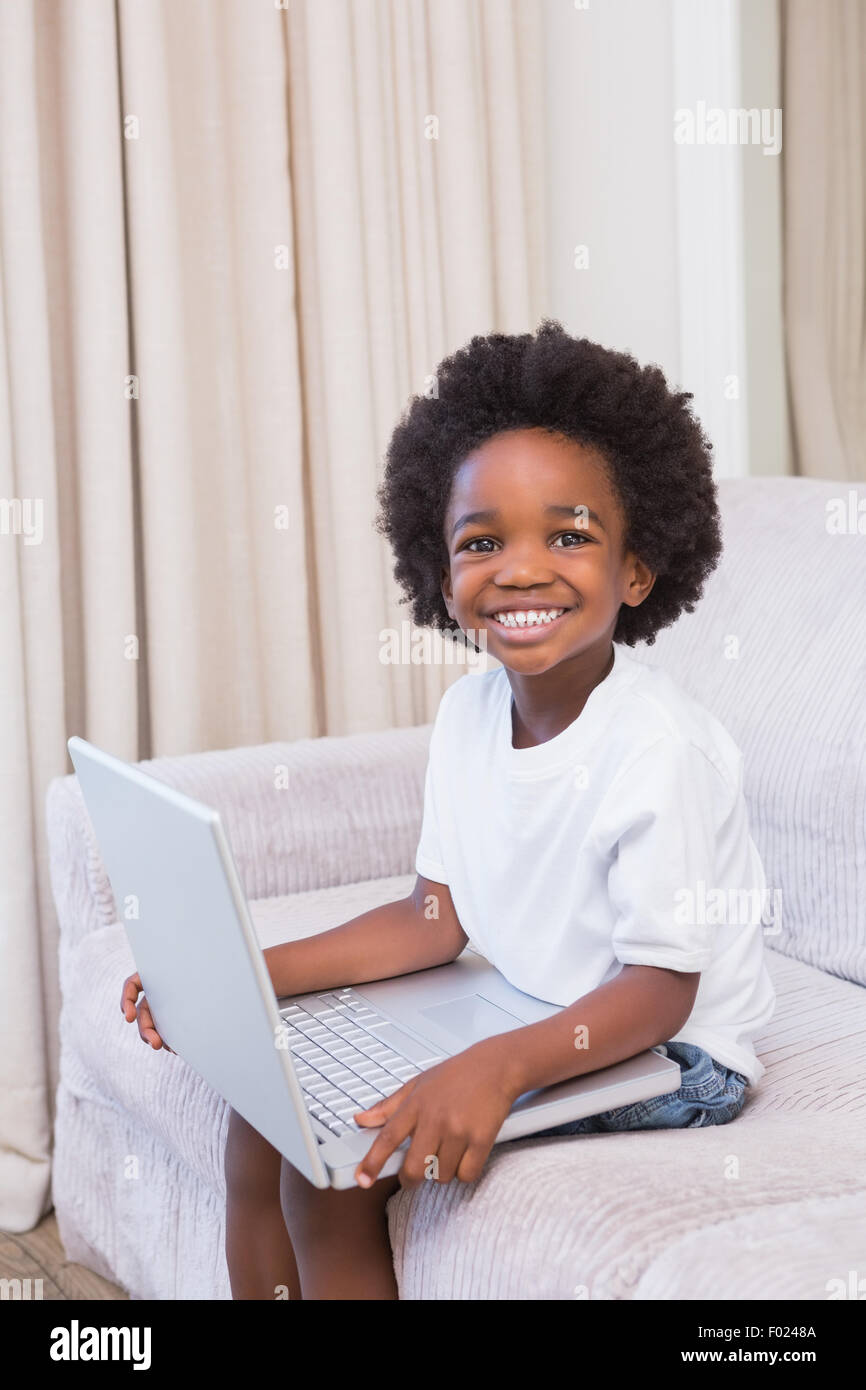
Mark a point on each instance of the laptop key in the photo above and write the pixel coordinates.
(376, 1077)
(318, 1007)
(338, 1078)
(354, 1059)
(405, 1072)
(370, 1097)
(389, 1058)
(356, 1088)
(368, 1044)
(328, 1097)
(407, 1047)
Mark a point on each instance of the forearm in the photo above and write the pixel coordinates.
(639, 1008)
(394, 939)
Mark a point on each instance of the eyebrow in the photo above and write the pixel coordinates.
(553, 509)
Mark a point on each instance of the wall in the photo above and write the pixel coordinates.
(683, 241)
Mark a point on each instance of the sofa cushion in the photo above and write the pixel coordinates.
(787, 1250)
(813, 1048)
(594, 1215)
(776, 649)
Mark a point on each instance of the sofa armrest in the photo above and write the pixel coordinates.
(309, 814)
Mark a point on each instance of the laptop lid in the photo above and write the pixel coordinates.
(181, 903)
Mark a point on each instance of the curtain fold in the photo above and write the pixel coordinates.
(229, 253)
(824, 178)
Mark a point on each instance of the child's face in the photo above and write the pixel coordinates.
(524, 554)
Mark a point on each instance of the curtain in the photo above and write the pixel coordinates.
(824, 177)
(234, 239)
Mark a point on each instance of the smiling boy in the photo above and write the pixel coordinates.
(558, 498)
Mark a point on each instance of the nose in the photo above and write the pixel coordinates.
(524, 566)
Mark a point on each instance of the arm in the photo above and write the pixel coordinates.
(395, 939)
(639, 1008)
(455, 1110)
(413, 933)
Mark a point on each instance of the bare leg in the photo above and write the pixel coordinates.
(340, 1238)
(258, 1249)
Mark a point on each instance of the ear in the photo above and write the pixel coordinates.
(639, 582)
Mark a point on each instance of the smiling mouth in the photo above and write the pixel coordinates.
(535, 621)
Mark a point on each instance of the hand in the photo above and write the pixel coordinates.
(132, 987)
(454, 1112)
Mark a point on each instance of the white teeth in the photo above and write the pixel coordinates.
(531, 618)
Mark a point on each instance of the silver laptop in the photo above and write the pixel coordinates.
(298, 1069)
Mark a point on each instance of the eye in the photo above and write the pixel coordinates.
(488, 540)
(580, 536)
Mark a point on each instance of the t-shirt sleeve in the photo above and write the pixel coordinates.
(671, 804)
(430, 854)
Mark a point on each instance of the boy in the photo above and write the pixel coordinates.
(557, 497)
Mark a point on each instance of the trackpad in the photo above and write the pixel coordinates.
(471, 1018)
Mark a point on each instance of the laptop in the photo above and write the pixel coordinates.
(298, 1069)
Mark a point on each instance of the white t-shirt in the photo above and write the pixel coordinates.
(624, 840)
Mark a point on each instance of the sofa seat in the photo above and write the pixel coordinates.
(640, 1215)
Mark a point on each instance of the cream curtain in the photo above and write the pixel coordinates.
(824, 176)
(229, 253)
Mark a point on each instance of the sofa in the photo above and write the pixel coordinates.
(772, 1206)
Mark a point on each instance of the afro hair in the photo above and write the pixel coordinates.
(657, 456)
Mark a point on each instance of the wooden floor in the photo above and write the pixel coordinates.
(38, 1254)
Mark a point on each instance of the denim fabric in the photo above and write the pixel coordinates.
(709, 1094)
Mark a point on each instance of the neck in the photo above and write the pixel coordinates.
(545, 704)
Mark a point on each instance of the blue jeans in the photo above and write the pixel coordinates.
(709, 1094)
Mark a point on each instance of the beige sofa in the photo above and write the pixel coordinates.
(770, 1207)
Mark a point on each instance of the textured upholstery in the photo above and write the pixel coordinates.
(792, 595)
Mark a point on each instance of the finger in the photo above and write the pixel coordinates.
(442, 1166)
(146, 1028)
(390, 1138)
(383, 1109)
(131, 990)
(422, 1156)
(470, 1167)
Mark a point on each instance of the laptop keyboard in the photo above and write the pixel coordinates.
(347, 1057)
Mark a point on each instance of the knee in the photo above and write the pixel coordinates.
(316, 1216)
